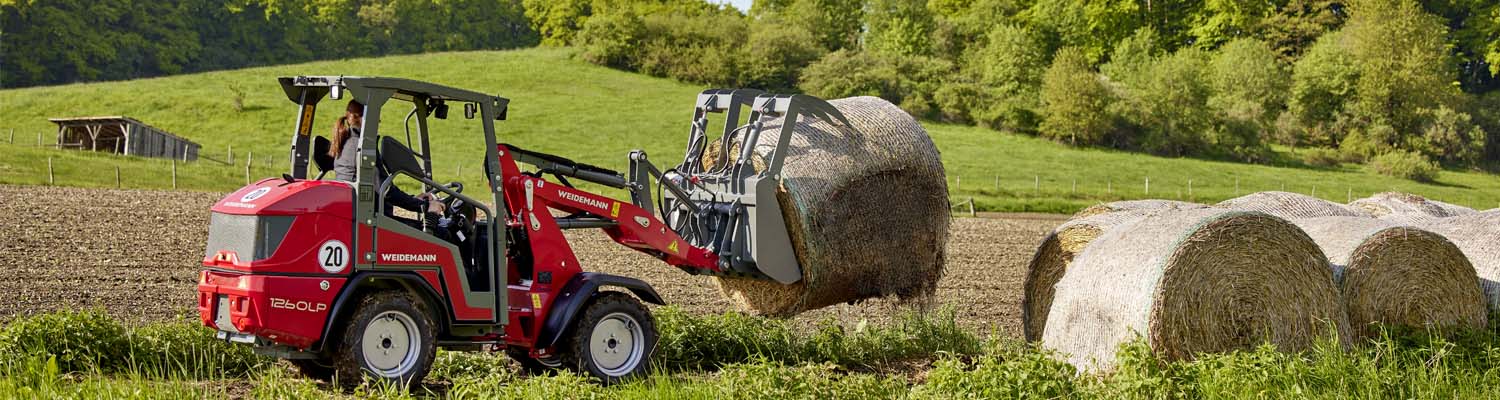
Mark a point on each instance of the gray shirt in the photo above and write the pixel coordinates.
(347, 162)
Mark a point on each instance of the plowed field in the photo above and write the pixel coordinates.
(135, 254)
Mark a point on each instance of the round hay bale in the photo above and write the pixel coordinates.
(1190, 282)
(1052, 258)
(1477, 235)
(867, 209)
(1289, 205)
(1134, 205)
(1398, 275)
(1407, 207)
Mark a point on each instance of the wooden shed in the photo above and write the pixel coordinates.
(122, 135)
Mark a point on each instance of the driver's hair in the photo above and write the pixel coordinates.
(354, 115)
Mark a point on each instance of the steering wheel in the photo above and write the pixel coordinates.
(460, 212)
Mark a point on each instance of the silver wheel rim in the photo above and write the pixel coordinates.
(617, 344)
(391, 344)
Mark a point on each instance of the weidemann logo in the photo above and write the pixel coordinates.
(584, 200)
(399, 257)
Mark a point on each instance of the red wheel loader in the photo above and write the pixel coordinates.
(315, 271)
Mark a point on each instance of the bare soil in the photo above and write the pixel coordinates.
(135, 254)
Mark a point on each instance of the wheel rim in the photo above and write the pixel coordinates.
(617, 344)
(391, 344)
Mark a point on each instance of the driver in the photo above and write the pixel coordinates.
(345, 153)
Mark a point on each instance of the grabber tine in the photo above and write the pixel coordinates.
(820, 109)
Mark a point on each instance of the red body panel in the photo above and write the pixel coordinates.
(292, 276)
(286, 309)
(324, 212)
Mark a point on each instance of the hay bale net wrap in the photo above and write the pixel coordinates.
(1190, 282)
(1398, 275)
(1137, 205)
(1289, 205)
(1477, 235)
(867, 210)
(1052, 257)
(1407, 207)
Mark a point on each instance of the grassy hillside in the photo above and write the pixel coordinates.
(598, 115)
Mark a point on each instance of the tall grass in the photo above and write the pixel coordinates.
(736, 357)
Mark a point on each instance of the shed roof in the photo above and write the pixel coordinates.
(114, 119)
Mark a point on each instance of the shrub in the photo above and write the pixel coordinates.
(1248, 82)
(1009, 69)
(1322, 157)
(1453, 138)
(899, 27)
(1168, 103)
(612, 39)
(78, 340)
(1406, 165)
(1322, 81)
(905, 81)
(1074, 101)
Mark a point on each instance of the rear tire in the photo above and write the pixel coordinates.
(388, 338)
(612, 339)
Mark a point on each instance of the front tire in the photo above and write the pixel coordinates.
(388, 338)
(613, 339)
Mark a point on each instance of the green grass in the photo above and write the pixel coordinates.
(597, 115)
(917, 358)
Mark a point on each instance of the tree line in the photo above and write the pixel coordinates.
(1406, 86)
(61, 41)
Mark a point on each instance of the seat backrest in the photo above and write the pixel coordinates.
(398, 158)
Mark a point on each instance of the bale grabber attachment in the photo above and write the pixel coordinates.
(730, 206)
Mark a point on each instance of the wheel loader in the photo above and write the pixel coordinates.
(313, 270)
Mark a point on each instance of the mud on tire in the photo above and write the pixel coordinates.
(390, 337)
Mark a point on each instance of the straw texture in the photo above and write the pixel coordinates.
(1287, 205)
(867, 210)
(1407, 208)
(1052, 258)
(1137, 205)
(1398, 275)
(1478, 236)
(1193, 281)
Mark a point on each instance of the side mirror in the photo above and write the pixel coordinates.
(336, 92)
(320, 156)
(470, 109)
(440, 110)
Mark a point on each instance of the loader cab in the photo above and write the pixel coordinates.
(395, 154)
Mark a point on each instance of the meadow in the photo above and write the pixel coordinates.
(565, 106)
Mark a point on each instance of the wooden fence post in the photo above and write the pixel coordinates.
(1349, 197)
(249, 157)
(1075, 186)
(1036, 185)
(1148, 186)
(997, 182)
(1190, 188)
(38, 139)
(229, 156)
(971, 206)
(50, 179)
(1109, 186)
(117, 177)
(12, 136)
(174, 173)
